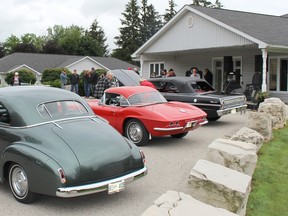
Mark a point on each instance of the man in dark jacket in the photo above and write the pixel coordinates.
(74, 80)
(94, 79)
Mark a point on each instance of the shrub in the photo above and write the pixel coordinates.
(51, 77)
(25, 75)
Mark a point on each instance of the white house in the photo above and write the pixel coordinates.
(224, 41)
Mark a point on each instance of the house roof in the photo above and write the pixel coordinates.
(272, 30)
(264, 30)
(40, 62)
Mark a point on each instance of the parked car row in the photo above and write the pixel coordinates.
(53, 142)
(194, 91)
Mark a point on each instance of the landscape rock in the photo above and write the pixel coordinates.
(260, 122)
(174, 203)
(249, 135)
(236, 155)
(220, 186)
(277, 109)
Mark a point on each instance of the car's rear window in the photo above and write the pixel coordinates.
(201, 86)
(61, 109)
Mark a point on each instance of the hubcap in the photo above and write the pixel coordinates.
(19, 182)
(135, 132)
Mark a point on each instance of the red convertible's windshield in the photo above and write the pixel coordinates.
(60, 109)
(146, 98)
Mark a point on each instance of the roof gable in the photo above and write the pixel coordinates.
(272, 30)
(192, 31)
(241, 27)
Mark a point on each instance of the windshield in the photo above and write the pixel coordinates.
(61, 109)
(146, 98)
(201, 86)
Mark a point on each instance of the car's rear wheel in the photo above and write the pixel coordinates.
(180, 135)
(19, 185)
(136, 132)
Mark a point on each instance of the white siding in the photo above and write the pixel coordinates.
(203, 34)
(85, 64)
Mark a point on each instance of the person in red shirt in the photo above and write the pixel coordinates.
(144, 82)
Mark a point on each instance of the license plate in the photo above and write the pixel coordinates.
(116, 187)
(190, 124)
(233, 111)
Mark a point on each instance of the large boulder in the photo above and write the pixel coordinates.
(249, 135)
(236, 155)
(277, 109)
(220, 186)
(260, 122)
(174, 203)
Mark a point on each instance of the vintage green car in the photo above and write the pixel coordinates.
(52, 143)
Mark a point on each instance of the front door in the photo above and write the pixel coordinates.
(218, 74)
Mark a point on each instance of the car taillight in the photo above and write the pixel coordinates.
(62, 175)
(142, 156)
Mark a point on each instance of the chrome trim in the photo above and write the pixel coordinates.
(55, 121)
(168, 129)
(205, 104)
(229, 110)
(76, 191)
(203, 123)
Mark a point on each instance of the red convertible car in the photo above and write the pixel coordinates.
(140, 113)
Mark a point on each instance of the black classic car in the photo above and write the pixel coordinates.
(199, 93)
(52, 143)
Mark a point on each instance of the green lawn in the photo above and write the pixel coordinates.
(269, 195)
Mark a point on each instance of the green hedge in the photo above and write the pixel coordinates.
(26, 76)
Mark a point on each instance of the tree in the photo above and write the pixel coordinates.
(129, 39)
(206, 3)
(218, 4)
(96, 33)
(11, 43)
(2, 51)
(150, 21)
(170, 12)
(70, 41)
(28, 43)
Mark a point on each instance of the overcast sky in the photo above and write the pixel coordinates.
(19, 17)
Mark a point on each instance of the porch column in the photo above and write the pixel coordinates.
(141, 65)
(264, 83)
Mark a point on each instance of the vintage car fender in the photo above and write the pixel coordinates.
(41, 169)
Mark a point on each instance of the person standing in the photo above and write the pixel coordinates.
(63, 79)
(103, 84)
(87, 83)
(195, 73)
(208, 76)
(74, 80)
(16, 81)
(94, 79)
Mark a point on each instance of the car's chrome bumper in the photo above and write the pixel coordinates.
(232, 110)
(67, 192)
(182, 128)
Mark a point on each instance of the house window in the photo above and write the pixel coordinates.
(156, 68)
(278, 74)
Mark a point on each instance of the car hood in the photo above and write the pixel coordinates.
(127, 77)
(173, 111)
(100, 150)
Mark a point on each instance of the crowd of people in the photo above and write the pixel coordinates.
(193, 72)
(93, 84)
